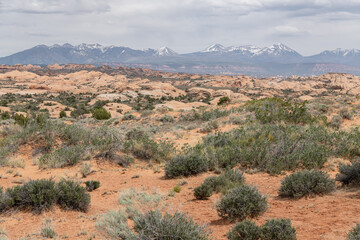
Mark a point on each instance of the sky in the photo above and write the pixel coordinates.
(308, 26)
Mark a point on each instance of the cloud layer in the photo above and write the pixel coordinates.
(184, 25)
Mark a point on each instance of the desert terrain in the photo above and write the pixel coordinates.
(172, 113)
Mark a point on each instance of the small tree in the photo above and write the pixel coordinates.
(63, 114)
(101, 114)
(223, 100)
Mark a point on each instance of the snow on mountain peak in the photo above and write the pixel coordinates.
(215, 48)
(165, 51)
(85, 46)
(343, 52)
(276, 49)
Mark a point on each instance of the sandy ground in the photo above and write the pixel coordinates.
(322, 217)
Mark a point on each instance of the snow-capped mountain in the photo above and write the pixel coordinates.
(165, 51)
(275, 59)
(214, 48)
(278, 49)
(249, 50)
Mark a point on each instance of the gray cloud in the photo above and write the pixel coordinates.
(184, 25)
(56, 6)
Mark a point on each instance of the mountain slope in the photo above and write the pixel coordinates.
(277, 59)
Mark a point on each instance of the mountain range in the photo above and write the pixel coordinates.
(277, 59)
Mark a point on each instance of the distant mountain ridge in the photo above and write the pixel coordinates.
(277, 59)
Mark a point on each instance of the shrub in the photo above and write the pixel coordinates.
(305, 183)
(345, 113)
(85, 169)
(245, 230)
(203, 191)
(145, 148)
(113, 225)
(209, 127)
(63, 114)
(271, 110)
(127, 117)
(47, 229)
(336, 121)
(5, 115)
(349, 173)
(152, 225)
(21, 120)
(185, 165)
(138, 202)
(3, 234)
(72, 196)
(79, 111)
(92, 185)
(166, 118)
(271, 148)
(123, 160)
(278, 229)
(40, 195)
(36, 195)
(241, 203)
(65, 156)
(177, 189)
(223, 100)
(100, 104)
(229, 179)
(354, 234)
(100, 114)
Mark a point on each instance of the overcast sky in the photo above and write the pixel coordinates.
(308, 26)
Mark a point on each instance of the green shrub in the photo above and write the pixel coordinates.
(278, 229)
(72, 196)
(271, 110)
(123, 160)
(63, 114)
(62, 157)
(270, 148)
(5, 115)
(100, 114)
(245, 230)
(185, 165)
(152, 225)
(229, 179)
(177, 189)
(100, 104)
(306, 183)
(141, 146)
(354, 234)
(349, 173)
(203, 191)
(242, 202)
(41, 195)
(223, 100)
(80, 110)
(166, 118)
(36, 195)
(21, 120)
(127, 117)
(92, 185)
(204, 115)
